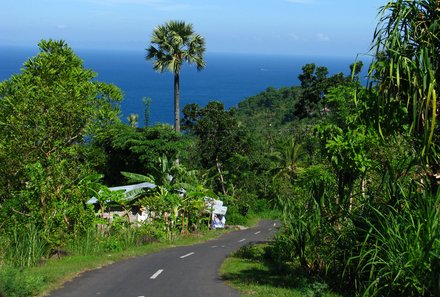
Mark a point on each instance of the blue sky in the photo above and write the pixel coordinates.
(294, 27)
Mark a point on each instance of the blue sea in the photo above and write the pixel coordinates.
(229, 78)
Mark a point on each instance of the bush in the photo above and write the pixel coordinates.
(252, 252)
(234, 217)
(17, 283)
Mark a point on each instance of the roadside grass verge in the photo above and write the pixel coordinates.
(52, 273)
(251, 271)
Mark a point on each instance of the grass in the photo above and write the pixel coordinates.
(251, 272)
(52, 273)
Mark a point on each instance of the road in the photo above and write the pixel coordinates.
(187, 271)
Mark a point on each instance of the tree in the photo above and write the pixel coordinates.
(315, 85)
(173, 43)
(220, 136)
(288, 158)
(133, 119)
(136, 149)
(49, 113)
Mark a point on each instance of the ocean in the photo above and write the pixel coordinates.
(229, 78)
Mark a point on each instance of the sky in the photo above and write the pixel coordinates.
(287, 27)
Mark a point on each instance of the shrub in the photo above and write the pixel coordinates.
(252, 252)
(17, 283)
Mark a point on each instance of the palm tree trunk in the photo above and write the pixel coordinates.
(176, 102)
(222, 180)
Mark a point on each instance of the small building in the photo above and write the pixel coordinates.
(136, 214)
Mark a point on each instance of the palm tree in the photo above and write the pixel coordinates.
(289, 158)
(133, 119)
(172, 44)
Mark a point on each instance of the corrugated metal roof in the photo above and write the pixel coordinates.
(127, 190)
(133, 187)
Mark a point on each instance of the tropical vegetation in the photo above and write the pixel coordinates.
(172, 44)
(351, 168)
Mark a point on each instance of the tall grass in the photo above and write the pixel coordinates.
(85, 244)
(94, 242)
(25, 247)
(400, 255)
(387, 245)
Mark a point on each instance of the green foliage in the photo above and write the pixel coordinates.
(133, 120)
(136, 150)
(220, 138)
(235, 217)
(15, 282)
(26, 247)
(361, 220)
(400, 253)
(50, 112)
(268, 110)
(177, 203)
(120, 236)
(315, 84)
(348, 143)
(309, 219)
(147, 104)
(252, 252)
(254, 273)
(406, 67)
(218, 130)
(177, 212)
(50, 108)
(349, 224)
(288, 156)
(353, 171)
(172, 44)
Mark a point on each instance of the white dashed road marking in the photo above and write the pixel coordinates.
(258, 232)
(156, 274)
(241, 240)
(187, 255)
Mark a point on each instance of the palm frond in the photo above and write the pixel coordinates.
(138, 178)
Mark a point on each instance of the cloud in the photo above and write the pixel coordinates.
(61, 26)
(322, 37)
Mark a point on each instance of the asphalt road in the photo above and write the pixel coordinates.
(188, 271)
